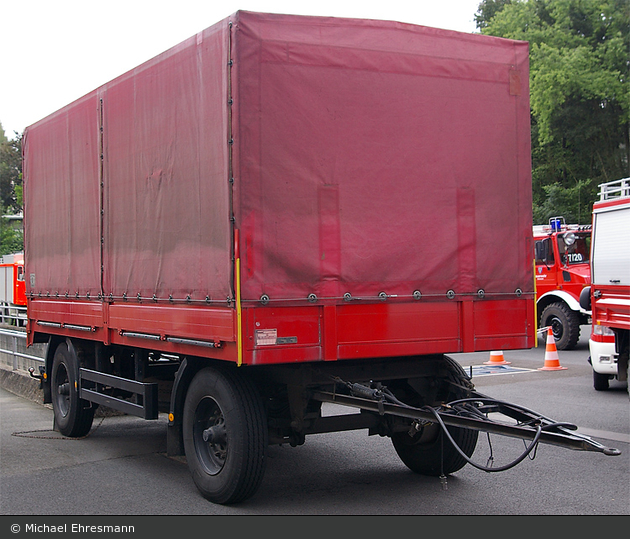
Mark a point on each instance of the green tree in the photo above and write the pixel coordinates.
(11, 239)
(579, 95)
(487, 10)
(11, 172)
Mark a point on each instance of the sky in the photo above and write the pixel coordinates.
(55, 51)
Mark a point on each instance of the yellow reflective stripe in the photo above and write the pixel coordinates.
(239, 323)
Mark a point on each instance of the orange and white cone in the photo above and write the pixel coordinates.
(496, 358)
(552, 361)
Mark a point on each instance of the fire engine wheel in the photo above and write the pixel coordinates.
(565, 325)
(73, 416)
(429, 451)
(225, 435)
(600, 381)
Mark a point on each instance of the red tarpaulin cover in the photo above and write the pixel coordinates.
(367, 156)
(377, 156)
(166, 211)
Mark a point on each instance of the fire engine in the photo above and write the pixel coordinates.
(562, 271)
(609, 295)
(12, 289)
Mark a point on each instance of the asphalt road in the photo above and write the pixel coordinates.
(121, 468)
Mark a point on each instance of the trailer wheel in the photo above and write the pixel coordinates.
(225, 435)
(73, 415)
(428, 451)
(565, 325)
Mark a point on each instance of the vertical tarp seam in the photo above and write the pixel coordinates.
(236, 274)
(230, 142)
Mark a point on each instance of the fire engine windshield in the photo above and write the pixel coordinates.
(574, 247)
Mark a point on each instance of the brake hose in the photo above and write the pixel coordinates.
(382, 393)
(527, 451)
(389, 395)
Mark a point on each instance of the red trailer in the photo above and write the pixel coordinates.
(278, 212)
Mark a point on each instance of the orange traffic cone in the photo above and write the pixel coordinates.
(496, 358)
(552, 361)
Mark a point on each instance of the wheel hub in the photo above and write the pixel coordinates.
(210, 435)
(215, 434)
(556, 328)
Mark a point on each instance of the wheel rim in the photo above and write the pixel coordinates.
(210, 435)
(62, 390)
(556, 328)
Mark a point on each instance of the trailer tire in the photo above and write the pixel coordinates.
(565, 325)
(73, 415)
(429, 451)
(225, 435)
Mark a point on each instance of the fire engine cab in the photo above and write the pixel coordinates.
(562, 271)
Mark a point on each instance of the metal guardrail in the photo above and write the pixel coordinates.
(12, 337)
(14, 315)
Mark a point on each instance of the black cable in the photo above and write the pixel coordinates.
(384, 393)
(491, 456)
(478, 466)
(552, 423)
(519, 459)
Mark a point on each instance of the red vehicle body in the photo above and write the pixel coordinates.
(609, 294)
(273, 204)
(13, 290)
(562, 272)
